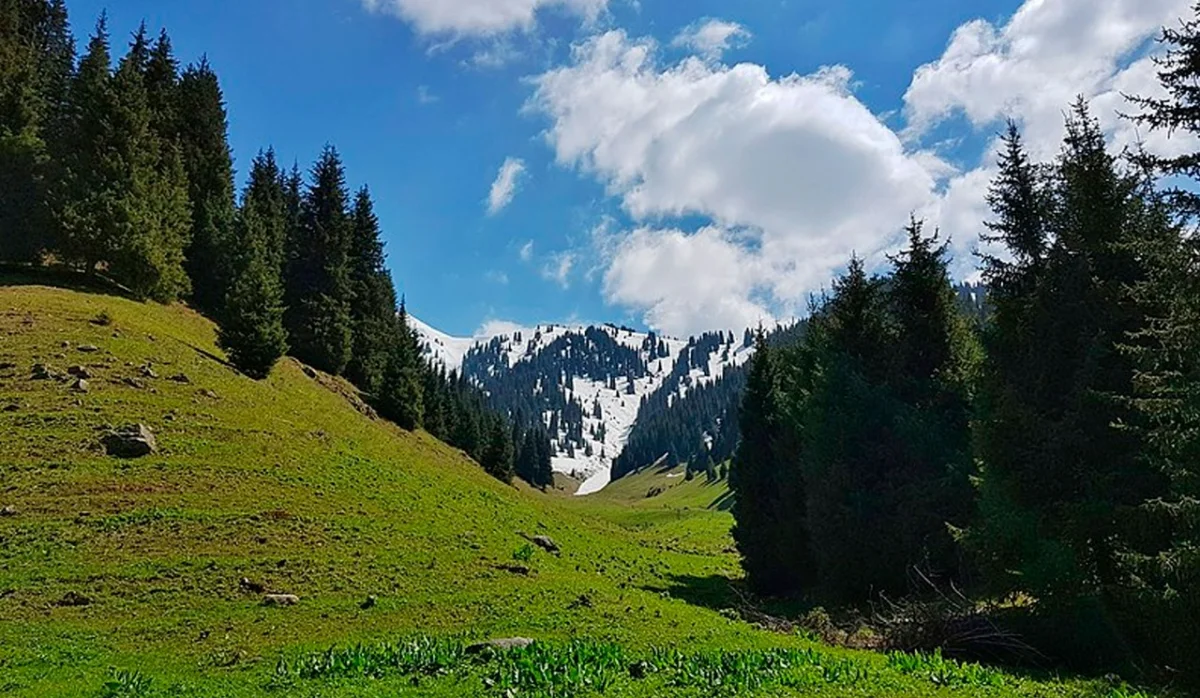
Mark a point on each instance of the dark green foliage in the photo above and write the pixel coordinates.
(373, 312)
(252, 332)
(200, 121)
(36, 61)
(401, 396)
(318, 291)
(769, 503)
(497, 457)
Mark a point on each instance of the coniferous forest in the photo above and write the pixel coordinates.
(120, 168)
(1040, 452)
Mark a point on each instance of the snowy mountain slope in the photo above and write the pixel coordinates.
(586, 383)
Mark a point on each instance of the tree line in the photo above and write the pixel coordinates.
(125, 172)
(1045, 449)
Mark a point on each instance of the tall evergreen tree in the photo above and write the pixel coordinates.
(202, 126)
(497, 457)
(317, 283)
(36, 61)
(252, 329)
(373, 312)
(401, 396)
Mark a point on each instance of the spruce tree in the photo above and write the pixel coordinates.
(497, 457)
(317, 283)
(401, 396)
(202, 128)
(252, 330)
(36, 60)
(373, 311)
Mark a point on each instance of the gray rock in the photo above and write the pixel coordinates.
(252, 587)
(80, 372)
(369, 602)
(209, 394)
(281, 600)
(309, 371)
(133, 441)
(88, 348)
(180, 378)
(546, 543)
(500, 645)
(135, 383)
(8, 511)
(80, 386)
(148, 372)
(42, 372)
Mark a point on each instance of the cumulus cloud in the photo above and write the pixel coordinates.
(479, 18)
(794, 173)
(1032, 68)
(798, 162)
(711, 38)
(505, 186)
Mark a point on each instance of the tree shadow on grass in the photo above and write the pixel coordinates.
(63, 277)
(723, 503)
(721, 593)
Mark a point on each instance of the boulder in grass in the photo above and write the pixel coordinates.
(281, 600)
(546, 543)
(88, 348)
(42, 372)
(80, 372)
(80, 386)
(133, 441)
(501, 645)
(74, 599)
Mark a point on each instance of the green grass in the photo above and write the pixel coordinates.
(286, 483)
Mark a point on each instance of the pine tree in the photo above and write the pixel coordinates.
(252, 330)
(373, 311)
(84, 200)
(202, 128)
(761, 510)
(401, 396)
(497, 457)
(36, 60)
(317, 283)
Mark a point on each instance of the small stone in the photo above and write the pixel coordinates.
(89, 348)
(14, 407)
(80, 372)
(74, 598)
(42, 372)
(546, 543)
(134, 383)
(210, 394)
(309, 371)
(8, 511)
(180, 378)
(81, 386)
(369, 602)
(148, 372)
(252, 587)
(133, 441)
(501, 645)
(281, 600)
(66, 345)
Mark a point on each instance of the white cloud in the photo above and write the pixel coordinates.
(497, 328)
(479, 18)
(497, 277)
(1032, 68)
(711, 38)
(687, 283)
(527, 251)
(794, 173)
(797, 160)
(558, 268)
(504, 188)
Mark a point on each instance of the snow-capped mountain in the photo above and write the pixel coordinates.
(584, 383)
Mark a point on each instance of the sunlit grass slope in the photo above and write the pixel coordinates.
(287, 483)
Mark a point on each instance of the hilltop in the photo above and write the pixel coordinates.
(124, 577)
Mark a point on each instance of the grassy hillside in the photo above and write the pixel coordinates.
(122, 578)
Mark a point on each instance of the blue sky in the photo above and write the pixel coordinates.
(664, 177)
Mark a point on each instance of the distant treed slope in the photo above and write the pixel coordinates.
(689, 420)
